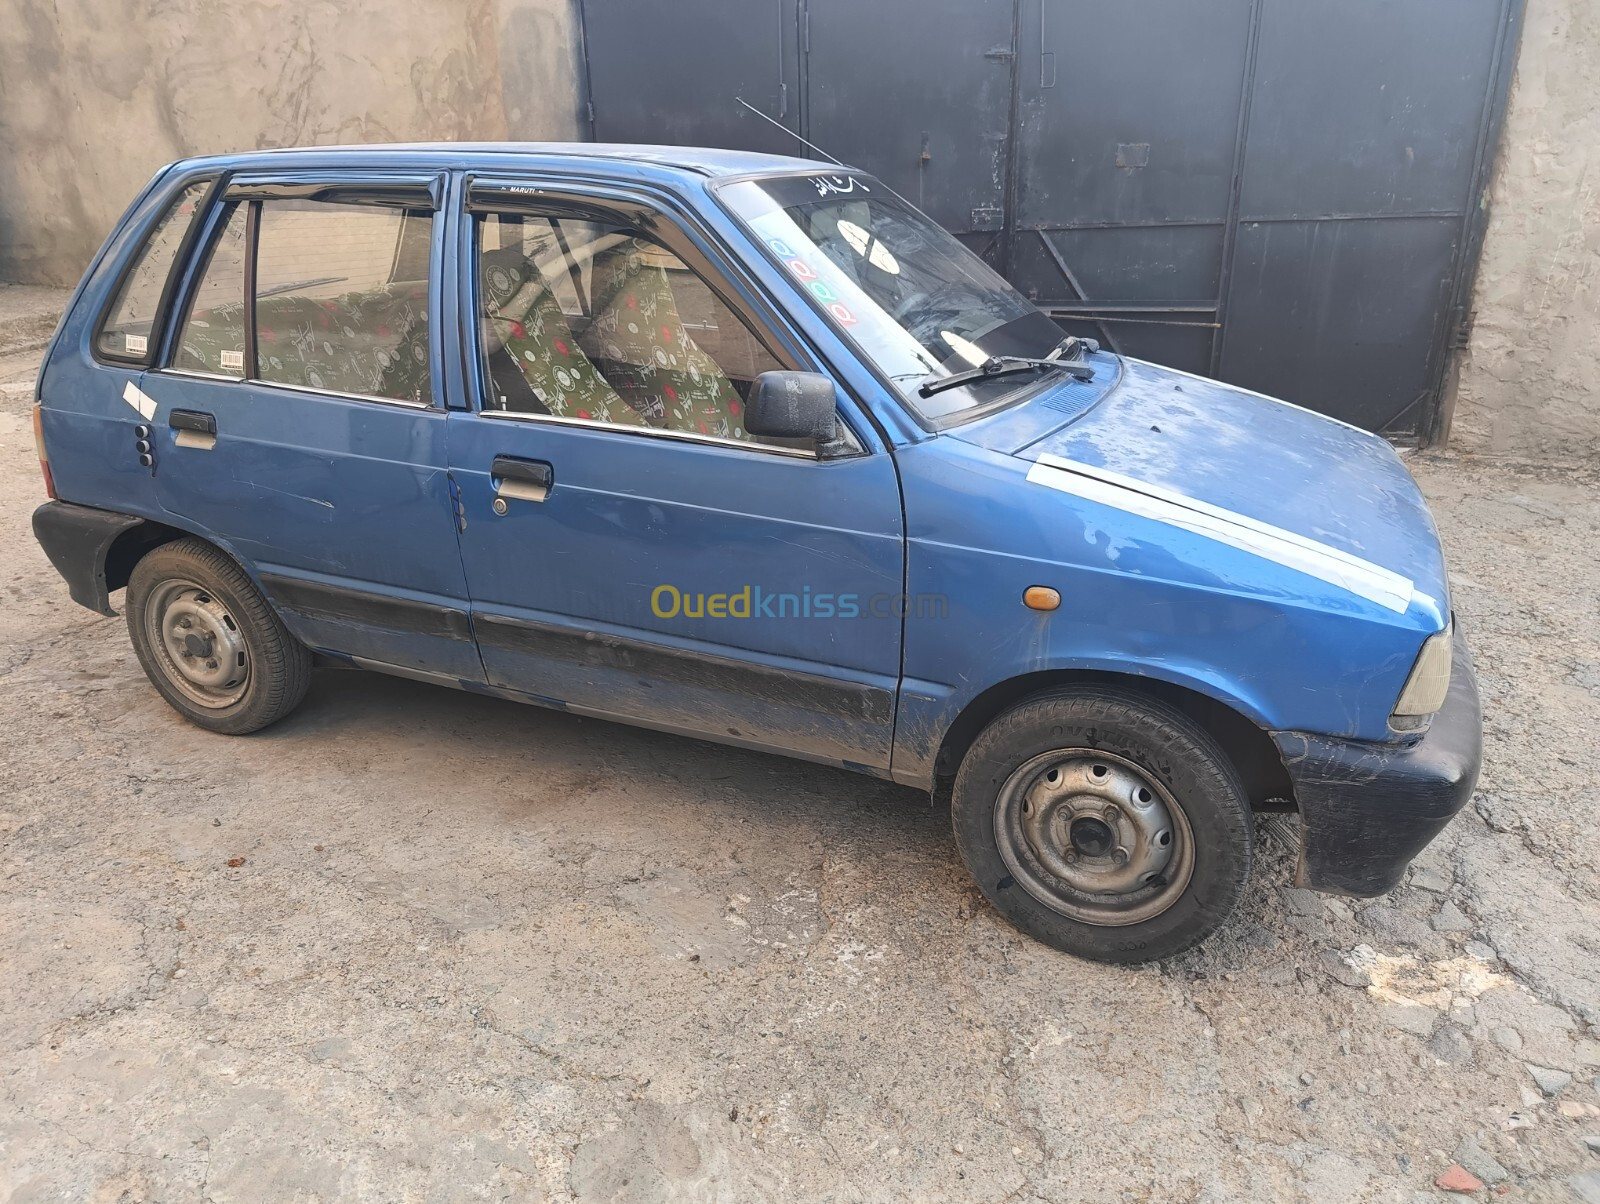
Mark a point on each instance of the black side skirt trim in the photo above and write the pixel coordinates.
(830, 696)
(316, 600)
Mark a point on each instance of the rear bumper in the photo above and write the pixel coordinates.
(1366, 809)
(76, 539)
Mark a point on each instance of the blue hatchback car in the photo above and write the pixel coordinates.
(750, 450)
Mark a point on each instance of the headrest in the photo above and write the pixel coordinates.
(504, 273)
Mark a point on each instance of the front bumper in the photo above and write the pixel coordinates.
(1366, 809)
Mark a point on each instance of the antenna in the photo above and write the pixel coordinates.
(788, 131)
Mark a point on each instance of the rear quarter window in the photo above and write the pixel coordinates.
(125, 334)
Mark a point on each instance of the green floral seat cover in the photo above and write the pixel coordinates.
(209, 335)
(651, 360)
(374, 344)
(525, 318)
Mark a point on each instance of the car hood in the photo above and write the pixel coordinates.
(1301, 489)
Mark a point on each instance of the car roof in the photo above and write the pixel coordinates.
(703, 161)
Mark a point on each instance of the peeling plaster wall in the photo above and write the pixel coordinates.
(1530, 383)
(96, 94)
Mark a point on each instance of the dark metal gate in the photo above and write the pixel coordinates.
(1281, 194)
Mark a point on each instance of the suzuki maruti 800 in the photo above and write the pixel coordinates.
(748, 449)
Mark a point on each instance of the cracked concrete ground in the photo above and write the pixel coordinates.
(480, 951)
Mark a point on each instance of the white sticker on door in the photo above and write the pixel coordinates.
(139, 400)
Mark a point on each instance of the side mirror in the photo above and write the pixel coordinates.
(792, 405)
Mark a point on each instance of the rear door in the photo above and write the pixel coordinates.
(631, 551)
(299, 418)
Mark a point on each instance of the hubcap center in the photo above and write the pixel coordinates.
(1092, 837)
(205, 653)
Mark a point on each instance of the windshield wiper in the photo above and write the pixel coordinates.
(1007, 365)
(1072, 348)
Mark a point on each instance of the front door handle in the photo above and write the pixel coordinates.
(194, 428)
(525, 480)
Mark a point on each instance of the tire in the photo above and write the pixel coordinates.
(210, 643)
(1084, 784)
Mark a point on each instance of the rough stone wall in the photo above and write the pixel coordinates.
(96, 94)
(1530, 383)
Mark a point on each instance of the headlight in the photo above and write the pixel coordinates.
(1428, 684)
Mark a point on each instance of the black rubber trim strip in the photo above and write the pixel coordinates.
(702, 670)
(317, 600)
(252, 231)
(399, 190)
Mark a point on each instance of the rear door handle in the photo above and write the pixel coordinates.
(525, 480)
(194, 428)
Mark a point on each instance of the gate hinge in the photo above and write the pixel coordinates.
(1000, 52)
(1461, 330)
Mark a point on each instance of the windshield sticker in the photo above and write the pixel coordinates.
(137, 344)
(841, 297)
(819, 289)
(838, 185)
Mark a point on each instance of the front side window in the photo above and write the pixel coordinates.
(127, 329)
(597, 321)
(340, 301)
(904, 290)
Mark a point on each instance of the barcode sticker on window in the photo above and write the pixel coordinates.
(233, 361)
(136, 343)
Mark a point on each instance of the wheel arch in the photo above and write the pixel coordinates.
(138, 541)
(95, 549)
(134, 544)
(1246, 744)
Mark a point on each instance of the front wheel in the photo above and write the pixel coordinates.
(210, 643)
(1104, 824)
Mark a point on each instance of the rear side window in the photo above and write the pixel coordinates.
(125, 334)
(213, 331)
(341, 298)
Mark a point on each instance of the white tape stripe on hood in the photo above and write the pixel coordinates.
(1294, 551)
(1230, 516)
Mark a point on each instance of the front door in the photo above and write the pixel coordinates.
(299, 421)
(630, 550)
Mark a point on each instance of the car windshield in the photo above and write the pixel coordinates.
(916, 302)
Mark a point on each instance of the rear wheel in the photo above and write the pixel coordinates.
(1107, 825)
(210, 643)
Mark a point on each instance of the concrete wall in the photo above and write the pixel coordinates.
(1530, 383)
(96, 94)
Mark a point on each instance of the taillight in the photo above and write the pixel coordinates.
(44, 456)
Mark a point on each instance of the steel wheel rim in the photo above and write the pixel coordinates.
(1094, 837)
(198, 644)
